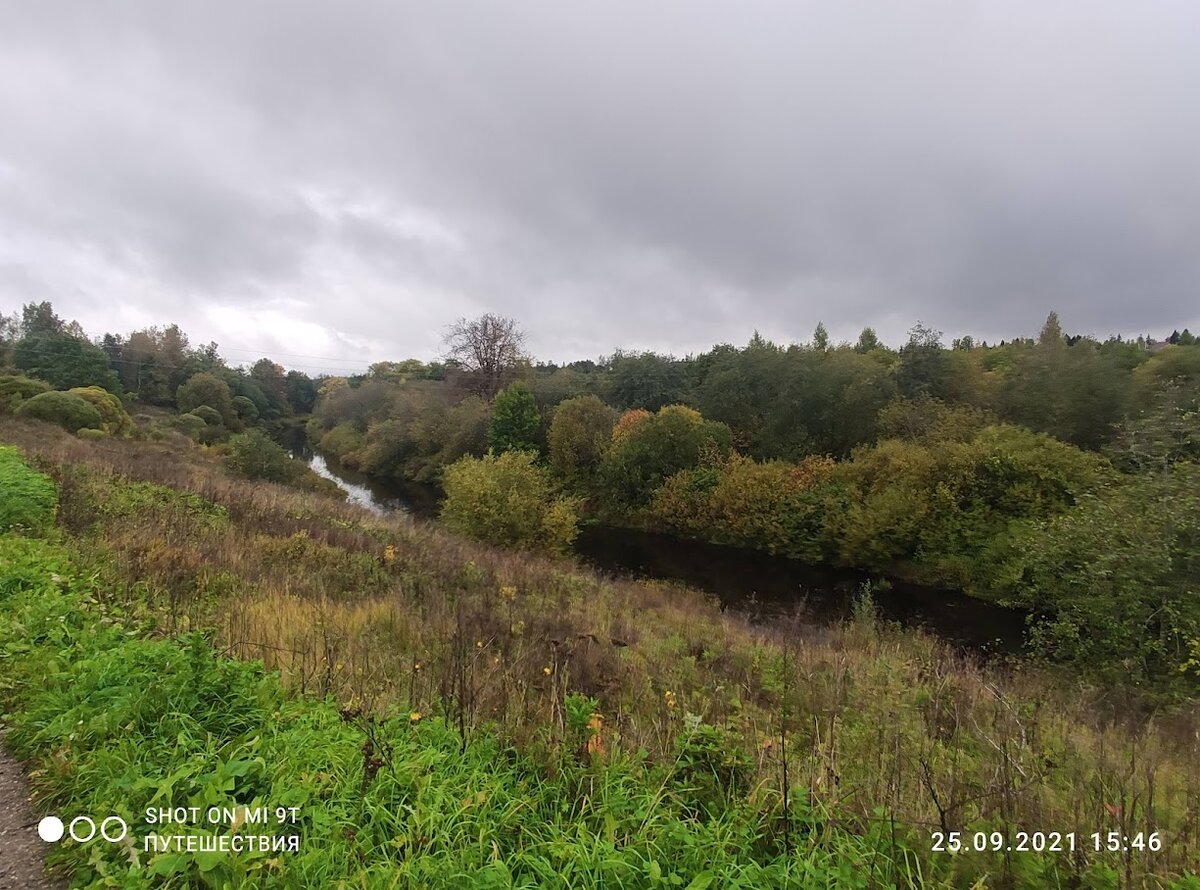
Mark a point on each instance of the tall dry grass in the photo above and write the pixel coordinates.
(877, 722)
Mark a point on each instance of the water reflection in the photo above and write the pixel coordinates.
(378, 496)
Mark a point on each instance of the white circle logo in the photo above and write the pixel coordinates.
(75, 837)
(51, 829)
(110, 821)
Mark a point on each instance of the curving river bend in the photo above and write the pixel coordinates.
(763, 586)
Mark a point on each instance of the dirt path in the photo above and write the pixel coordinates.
(21, 849)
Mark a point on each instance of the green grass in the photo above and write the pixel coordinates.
(117, 723)
(27, 499)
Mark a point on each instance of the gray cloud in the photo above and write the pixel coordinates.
(342, 180)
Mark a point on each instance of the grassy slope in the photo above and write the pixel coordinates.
(889, 734)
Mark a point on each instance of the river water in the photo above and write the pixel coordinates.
(767, 588)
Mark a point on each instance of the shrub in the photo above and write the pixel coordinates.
(515, 420)
(774, 506)
(91, 434)
(253, 454)
(114, 419)
(16, 389)
(657, 447)
(208, 414)
(343, 442)
(580, 435)
(1114, 581)
(207, 389)
(505, 499)
(712, 770)
(66, 409)
(27, 498)
(189, 424)
(246, 410)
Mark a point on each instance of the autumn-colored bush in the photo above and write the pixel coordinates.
(774, 506)
(114, 419)
(627, 422)
(580, 435)
(657, 447)
(66, 409)
(506, 499)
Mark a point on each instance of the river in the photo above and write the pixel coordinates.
(764, 587)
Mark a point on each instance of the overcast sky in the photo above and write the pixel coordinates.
(333, 183)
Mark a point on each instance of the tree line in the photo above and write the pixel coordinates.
(968, 465)
(1056, 472)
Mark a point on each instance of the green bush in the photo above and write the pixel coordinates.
(210, 390)
(656, 448)
(27, 498)
(114, 419)
(580, 435)
(505, 499)
(246, 410)
(188, 424)
(16, 389)
(712, 770)
(515, 420)
(255, 455)
(343, 442)
(1116, 582)
(210, 416)
(775, 506)
(66, 409)
(92, 435)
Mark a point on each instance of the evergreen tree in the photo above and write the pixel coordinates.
(515, 420)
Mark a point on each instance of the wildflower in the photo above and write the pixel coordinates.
(669, 699)
(546, 670)
(508, 593)
(595, 742)
(414, 717)
(389, 554)
(479, 644)
(416, 666)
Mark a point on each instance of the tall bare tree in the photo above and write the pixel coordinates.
(488, 348)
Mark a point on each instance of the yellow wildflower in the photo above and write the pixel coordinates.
(414, 717)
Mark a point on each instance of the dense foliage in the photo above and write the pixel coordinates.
(515, 420)
(114, 419)
(66, 409)
(928, 461)
(15, 388)
(932, 461)
(504, 499)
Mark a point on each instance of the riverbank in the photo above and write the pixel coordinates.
(751, 582)
(877, 723)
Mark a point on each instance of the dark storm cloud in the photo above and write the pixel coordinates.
(345, 179)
